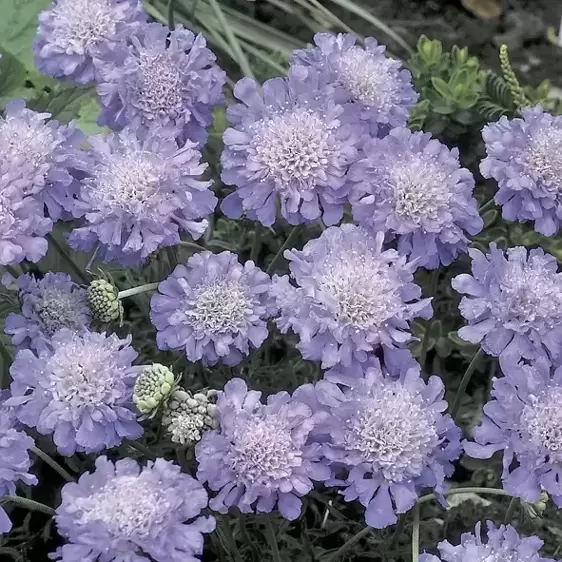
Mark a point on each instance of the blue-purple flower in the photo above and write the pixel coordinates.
(413, 188)
(140, 194)
(125, 512)
(351, 296)
(377, 85)
(47, 305)
(14, 461)
(80, 391)
(513, 302)
(260, 458)
(290, 145)
(161, 77)
(389, 436)
(524, 155)
(214, 308)
(524, 420)
(70, 32)
(503, 544)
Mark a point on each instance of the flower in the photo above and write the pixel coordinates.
(523, 419)
(390, 435)
(47, 305)
(291, 144)
(524, 157)
(351, 296)
(504, 545)
(139, 194)
(259, 458)
(513, 304)
(161, 77)
(80, 390)
(123, 511)
(70, 31)
(103, 300)
(413, 187)
(214, 308)
(378, 85)
(14, 461)
(153, 388)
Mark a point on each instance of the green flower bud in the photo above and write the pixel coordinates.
(103, 301)
(153, 389)
(536, 510)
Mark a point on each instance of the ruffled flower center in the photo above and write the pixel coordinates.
(263, 451)
(543, 158)
(59, 309)
(296, 146)
(7, 218)
(394, 431)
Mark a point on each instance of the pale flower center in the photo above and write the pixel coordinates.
(543, 158)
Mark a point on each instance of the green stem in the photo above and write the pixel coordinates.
(28, 504)
(229, 538)
(137, 290)
(429, 324)
(464, 382)
(416, 534)
(272, 539)
(291, 239)
(399, 530)
(256, 244)
(172, 257)
(468, 490)
(171, 6)
(353, 540)
(191, 246)
(510, 510)
(12, 271)
(66, 257)
(52, 463)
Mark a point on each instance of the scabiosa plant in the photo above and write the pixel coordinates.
(503, 544)
(80, 391)
(47, 305)
(14, 461)
(523, 419)
(392, 438)
(70, 31)
(214, 308)
(351, 296)
(524, 157)
(513, 302)
(289, 144)
(123, 511)
(161, 77)
(259, 459)
(140, 193)
(378, 85)
(413, 187)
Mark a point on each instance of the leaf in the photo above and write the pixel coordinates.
(483, 9)
(12, 77)
(87, 116)
(64, 104)
(442, 88)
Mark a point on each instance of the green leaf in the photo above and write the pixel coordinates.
(64, 104)
(429, 50)
(12, 77)
(87, 116)
(489, 218)
(442, 88)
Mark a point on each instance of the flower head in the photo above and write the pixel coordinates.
(523, 419)
(391, 436)
(103, 300)
(161, 77)
(70, 31)
(514, 302)
(80, 390)
(503, 545)
(153, 388)
(291, 144)
(139, 195)
(47, 305)
(413, 187)
(351, 296)
(524, 155)
(378, 85)
(260, 457)
(214, 308)
(123, 511)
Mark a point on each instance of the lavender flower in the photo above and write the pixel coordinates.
(413, 187)
(504, 544)
(523, 419)
(14, 461)
(47, 305)
(260, 458)
(351, 296)
(139, 194)
(70, 31)
(160, 77)
(213, 308)
(391, 436)
(291, 144)
(513, 304)
(378, 85)
(79, 390)
(524, 157)
(125, 512)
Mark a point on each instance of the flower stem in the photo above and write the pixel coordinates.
(137, 290)
(172, 257)
(52, 463)
(256, 244)
(229, 538)
(66, 257)
(416, 534)
(353, 540)
(468, 490)
(171, 6)
(191, 246)
(429, 323)
(464, 382)
(28, 504)
(12, 271)
(510, 510)
(291, 239)
(399, 530)
(272, 539)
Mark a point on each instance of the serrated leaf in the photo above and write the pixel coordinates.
(64, 104)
